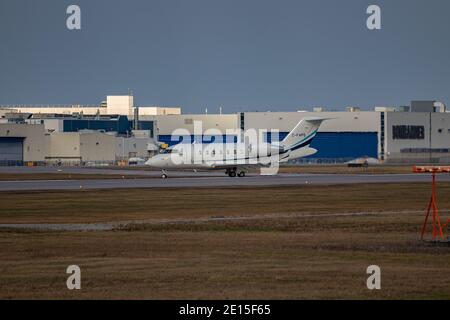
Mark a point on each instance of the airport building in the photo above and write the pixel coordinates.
(120, 125)
(21, 143)
(346, 136)
(412, 134)
(114, 105)
(418, 133)
(81, 147)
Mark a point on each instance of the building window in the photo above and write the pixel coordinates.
(406, 132)
(425, 150)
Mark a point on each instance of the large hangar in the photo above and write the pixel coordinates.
(21, 143)
(11, 149)
(388, 134)
(347, 135)
(416, 137)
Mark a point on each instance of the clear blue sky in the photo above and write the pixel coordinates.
(239, 54)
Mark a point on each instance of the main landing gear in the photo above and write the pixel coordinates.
(232, 172)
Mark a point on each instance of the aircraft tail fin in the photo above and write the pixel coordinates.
(303, 133)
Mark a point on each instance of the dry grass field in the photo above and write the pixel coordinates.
(299, 244)
(87, 206)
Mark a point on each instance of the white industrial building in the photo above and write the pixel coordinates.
(140, 145)
(416, 137)
(419, 133)
(114, 105)
(22, 143)
(81, 147)
(388, 134)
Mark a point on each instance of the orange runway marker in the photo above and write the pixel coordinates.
(432, 205)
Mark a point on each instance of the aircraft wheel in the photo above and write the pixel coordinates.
(164, 176)
(241, 174)
(232, 174)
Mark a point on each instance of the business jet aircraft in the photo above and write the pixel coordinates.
(236, 158)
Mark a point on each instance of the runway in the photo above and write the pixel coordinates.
(206, 179)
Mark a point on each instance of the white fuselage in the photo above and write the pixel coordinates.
(234, 156)
(219, 155)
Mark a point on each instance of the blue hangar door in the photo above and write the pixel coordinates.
(11, 149)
